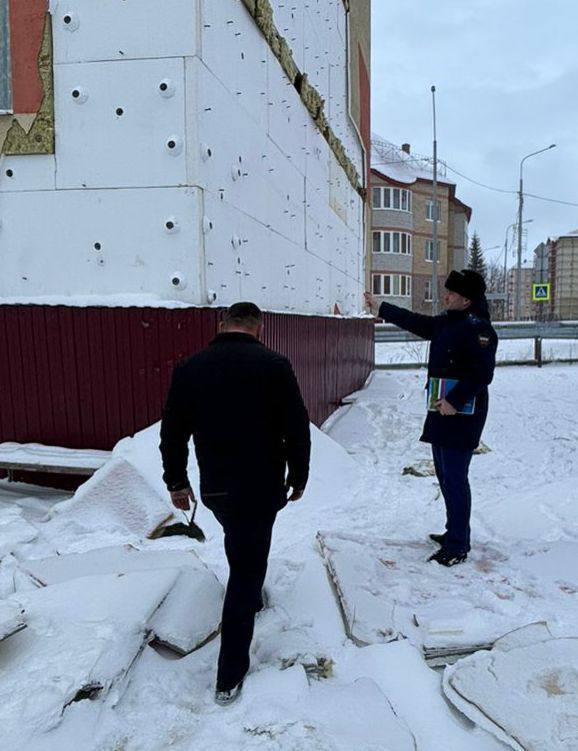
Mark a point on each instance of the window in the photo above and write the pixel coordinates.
(392, 242)
(5, 67)
(405, 285)
(429, 250)
(391, 198)
(392, 285)
(427, 295)
(430, 211)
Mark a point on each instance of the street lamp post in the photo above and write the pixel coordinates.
(520, 222)
(434, 273)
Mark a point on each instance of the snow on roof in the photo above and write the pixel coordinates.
(572, 233)
(402, 167)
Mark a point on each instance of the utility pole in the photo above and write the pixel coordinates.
(505, 291)
(434, 275)
(518, 311)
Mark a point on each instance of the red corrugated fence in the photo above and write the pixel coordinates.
(86, 377)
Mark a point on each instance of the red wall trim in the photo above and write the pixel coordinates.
(86, 377)
(365, 113)
(27, 19)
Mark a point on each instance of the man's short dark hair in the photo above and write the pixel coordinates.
(243, 314)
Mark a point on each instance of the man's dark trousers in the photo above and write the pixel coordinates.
(452, 466)
(247, 544)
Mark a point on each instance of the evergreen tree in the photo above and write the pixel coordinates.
(476, 260)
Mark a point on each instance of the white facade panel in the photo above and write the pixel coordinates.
(185, 155)
(288, 119)
(248, 261)
(246, 168)
(120, 124)
(235, 51)
(84, 242)
(21, 173)
(290, 21)
(91, 30)
(317, 47)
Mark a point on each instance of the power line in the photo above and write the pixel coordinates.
(511, 192)
(482, 185)
(493, 187)
(551, 200)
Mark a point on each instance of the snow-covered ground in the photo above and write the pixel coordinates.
(310, 687)
(509, 350)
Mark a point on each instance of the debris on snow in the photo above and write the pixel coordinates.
(191, 613)
(121, 559)
(82, 637)
(526, 695)
(117, 496)
(12, 619)
(14, 531)
(414, 692)
(422, 468)
(335, 695)
(367, 618)
(386, 588)
(282, 707)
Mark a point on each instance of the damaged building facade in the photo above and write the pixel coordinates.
(159, 162)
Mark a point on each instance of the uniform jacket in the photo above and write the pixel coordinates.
(463, 347)
(241, 404)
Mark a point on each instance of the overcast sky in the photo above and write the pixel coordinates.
(506, 74)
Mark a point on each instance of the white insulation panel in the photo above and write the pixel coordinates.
(86, 30)
(117, 128)
(100, 242)
(186, 165)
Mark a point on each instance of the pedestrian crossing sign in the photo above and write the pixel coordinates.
(541, 292)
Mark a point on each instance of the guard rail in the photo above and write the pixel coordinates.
(536, 330)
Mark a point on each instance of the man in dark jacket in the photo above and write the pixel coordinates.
(463, 349)
(242, 405)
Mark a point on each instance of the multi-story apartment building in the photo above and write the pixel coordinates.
(402, 227)
(556, 261)
(526, 304)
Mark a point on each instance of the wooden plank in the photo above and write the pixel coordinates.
(51, 468)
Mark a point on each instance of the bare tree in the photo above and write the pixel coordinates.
(495, 283)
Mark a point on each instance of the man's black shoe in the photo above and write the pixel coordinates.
(226, 698)
(439, 539)
(445, 558)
